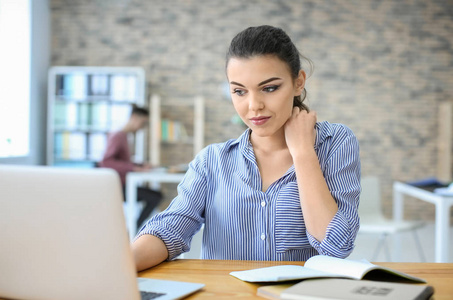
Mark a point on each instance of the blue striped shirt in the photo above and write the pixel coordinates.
(222, 189)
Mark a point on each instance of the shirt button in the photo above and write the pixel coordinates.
(263, 236)
(263, 204)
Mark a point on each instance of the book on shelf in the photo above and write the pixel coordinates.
(66, 115)
(95, 116)
(71, 116)
(70, 145)
(59, 113)
(83, 116)
(73, 86)
(347, 289)
(123, 87)
(77, 146)
(100, 116)
(172, 131)
(99, 85)
(58, 144)
(97, 146)
(61, 147)
(164, 130)
(321, 266)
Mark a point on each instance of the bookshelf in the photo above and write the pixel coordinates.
(176, 129)
(85, 104)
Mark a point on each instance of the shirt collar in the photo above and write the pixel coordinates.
(244, 139)
(324, 130)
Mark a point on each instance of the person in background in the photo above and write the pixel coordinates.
(287, 189)
(118, 157)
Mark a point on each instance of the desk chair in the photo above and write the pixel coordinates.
(373, 221)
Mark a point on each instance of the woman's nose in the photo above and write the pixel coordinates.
(255, 102)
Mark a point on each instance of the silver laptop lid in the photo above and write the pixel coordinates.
(63, 235)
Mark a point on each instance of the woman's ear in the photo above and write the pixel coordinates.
(300, 83)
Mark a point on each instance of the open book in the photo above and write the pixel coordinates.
(321, 266)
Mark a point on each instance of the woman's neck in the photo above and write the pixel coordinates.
(269, 144)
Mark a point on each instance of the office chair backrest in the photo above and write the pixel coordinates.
(370, 198)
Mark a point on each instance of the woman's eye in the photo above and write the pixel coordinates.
(239, 92)
(271, 88)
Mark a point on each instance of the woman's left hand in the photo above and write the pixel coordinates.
(300, 130)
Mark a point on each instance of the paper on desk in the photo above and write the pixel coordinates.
(279, 273)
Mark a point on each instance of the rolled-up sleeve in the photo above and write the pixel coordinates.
(342, 175)
(176, 225)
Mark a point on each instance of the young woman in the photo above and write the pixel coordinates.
(287, 189)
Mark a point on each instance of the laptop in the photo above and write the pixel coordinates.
(63, 236)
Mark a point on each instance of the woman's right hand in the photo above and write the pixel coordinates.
(300, 131)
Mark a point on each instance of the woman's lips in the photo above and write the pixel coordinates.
(259, 120)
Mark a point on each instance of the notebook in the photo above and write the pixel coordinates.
(64, 236)
(347, 289)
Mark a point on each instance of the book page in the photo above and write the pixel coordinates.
(349, 268)
(356, 269)
(321, 266)
(280, 273)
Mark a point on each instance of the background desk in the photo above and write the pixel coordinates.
(442, 223)
(221, 285)
(133, 180)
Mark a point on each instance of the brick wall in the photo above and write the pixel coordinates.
(381, 67)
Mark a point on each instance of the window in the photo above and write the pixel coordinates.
(15, 52)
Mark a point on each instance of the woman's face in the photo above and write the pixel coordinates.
(262, 90)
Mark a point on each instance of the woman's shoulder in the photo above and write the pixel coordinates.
(327, 129)
(333, 136)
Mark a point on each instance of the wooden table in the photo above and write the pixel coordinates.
(221, 285)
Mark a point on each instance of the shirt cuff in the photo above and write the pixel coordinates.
(338, 241)
(174, 245)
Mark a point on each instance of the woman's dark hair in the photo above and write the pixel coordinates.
(268, 40)
(141, 111)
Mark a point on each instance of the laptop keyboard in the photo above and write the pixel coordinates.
(150, 295)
